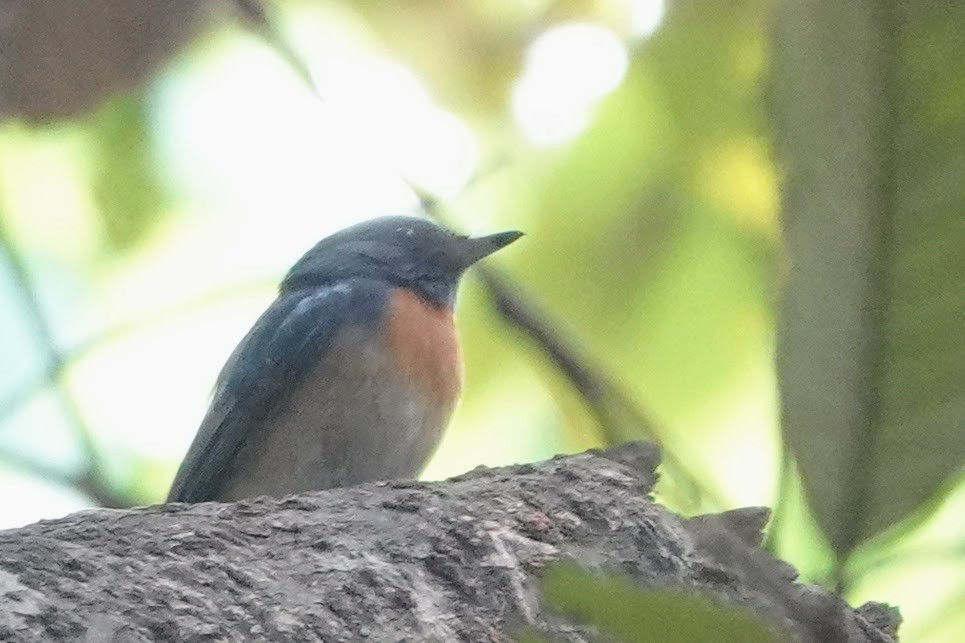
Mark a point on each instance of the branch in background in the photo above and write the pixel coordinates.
(86, 483)
(92, 481)
(258, 17)
(61, 60)
(54, 371)
(620, 419)
(94, 477)
(785, 487)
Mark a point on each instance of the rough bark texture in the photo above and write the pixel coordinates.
(450, 561)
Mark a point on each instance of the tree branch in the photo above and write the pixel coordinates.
(450, 561)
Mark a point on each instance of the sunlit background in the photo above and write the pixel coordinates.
(630, 140)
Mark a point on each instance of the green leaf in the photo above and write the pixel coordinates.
(628, 612)
(530, 636)
(125, 179)
(871, 117)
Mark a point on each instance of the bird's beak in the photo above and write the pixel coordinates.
(480, 247)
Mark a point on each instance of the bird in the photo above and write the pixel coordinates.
(349, 376)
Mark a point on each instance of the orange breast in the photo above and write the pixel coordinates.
(422, 338)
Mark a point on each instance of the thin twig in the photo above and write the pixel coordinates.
(259, 18)
(785, 482)
(54, 359)
(619, 418)
(90, 485)
(54, 371)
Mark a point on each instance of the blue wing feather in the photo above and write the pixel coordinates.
(282, 346)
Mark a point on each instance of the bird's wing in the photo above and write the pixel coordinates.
(286, 341)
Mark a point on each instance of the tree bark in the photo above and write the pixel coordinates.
(458, 560)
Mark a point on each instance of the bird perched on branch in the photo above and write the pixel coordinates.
(351, 374)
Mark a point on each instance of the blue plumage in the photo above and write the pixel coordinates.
(267, 365)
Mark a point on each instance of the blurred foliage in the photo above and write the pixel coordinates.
(144, 235)
(125, 183)
(620, 609)
(873, 399)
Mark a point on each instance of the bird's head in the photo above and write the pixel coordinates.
(409, 252)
